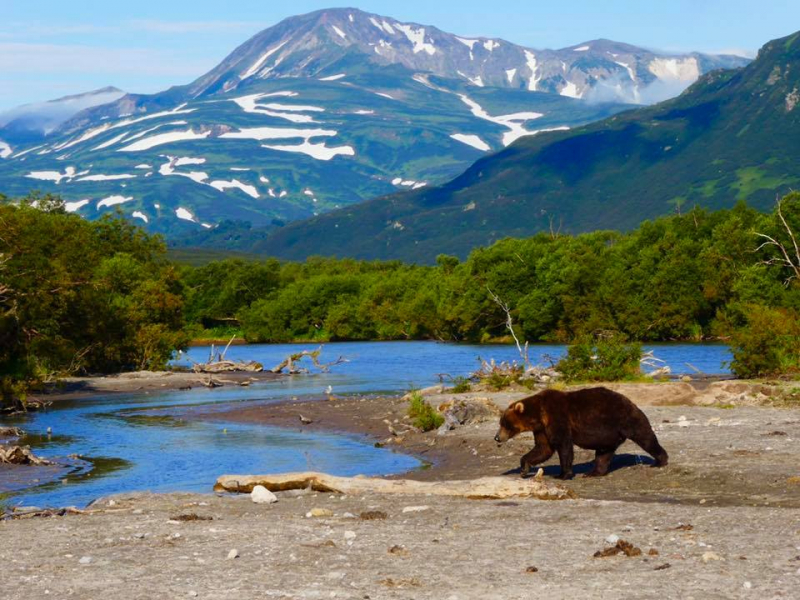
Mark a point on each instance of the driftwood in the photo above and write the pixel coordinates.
(289, 363)
(20, 455)
(483, 488)
(228, 366)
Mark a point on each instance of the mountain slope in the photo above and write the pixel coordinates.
(327, 110)
(33, 122)
(733, 135)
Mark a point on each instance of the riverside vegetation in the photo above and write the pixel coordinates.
(100, 297)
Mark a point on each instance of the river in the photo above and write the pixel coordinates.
(140, 442)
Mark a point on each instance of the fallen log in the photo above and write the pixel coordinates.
(228, 366)
(483, 488)
(20, 455)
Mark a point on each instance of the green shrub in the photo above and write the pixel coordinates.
(461, 385)
(607, 358)
(424, 416)
(768, 345)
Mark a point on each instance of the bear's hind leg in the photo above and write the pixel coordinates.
(602, 461)
(648, 442)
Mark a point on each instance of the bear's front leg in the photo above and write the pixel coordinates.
(541, 452)
(565, 458)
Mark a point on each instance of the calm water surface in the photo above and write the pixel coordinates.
(138, 442)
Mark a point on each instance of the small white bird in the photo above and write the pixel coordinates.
(329, 390)
(305, 420)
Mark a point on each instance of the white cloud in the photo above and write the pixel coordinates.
(171, 27)
(66, 58)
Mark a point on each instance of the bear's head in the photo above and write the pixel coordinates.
(513, 422)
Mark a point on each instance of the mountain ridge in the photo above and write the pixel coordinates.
(729, 137)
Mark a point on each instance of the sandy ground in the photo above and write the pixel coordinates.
(77, 387)
(722, 520)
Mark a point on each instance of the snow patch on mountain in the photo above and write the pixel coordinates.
(74, 206)
(334, 77)
(339, 32)
(185, 214)
(317, 151)
(236, 184)
(491, 45)
(417, 39)
(530, 62)
(256, 66)
(111, 142)
(514, 122)
(164, 138)
(676, 69)
(113, 201)
(140, 215)
(5, 150)
(471, 140)
(106, 177)
(510, 74)
(570, 90)
(581, 49)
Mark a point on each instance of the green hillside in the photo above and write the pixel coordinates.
(733, 135)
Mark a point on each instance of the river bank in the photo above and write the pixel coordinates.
(721, 521)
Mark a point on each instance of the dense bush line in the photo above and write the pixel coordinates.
(685, 277)
(81, 296)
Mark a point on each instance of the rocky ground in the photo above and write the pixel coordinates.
(721, 521)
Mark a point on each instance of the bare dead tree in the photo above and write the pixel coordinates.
(523, 351)
(789, 253)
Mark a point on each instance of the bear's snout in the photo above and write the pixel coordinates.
(501, 436)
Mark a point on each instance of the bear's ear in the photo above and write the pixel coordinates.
(519, 407)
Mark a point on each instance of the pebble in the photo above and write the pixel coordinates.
(612, 539)
(193, 594)
(261, 495)
(138, 511)
(747, 585)
(319, 512)
(234, 553)
(349, 535)
(85, 560)
(413, 509)
(348, 515)
(709, 556)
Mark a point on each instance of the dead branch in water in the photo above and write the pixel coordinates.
(289, 363)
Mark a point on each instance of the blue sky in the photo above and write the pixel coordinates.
(51, 48)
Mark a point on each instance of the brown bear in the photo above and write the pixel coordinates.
(595, 419)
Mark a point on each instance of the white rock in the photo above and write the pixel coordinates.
(85, 560)
(747, 585)
(612, 539)
(349, 535)
(234, 553)
(261, 495)
(709, 556)
(412, 509)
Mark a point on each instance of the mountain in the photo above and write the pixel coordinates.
(33, 122)
(732, 135)
(327, 110)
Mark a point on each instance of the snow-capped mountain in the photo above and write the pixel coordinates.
(325, 110)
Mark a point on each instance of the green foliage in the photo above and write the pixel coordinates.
(461, 385)
(769, 343)
(423, 415)
(602, 358)
(685, 277)
(79, 296)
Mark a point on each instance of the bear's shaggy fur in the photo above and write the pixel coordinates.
(595, 419)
